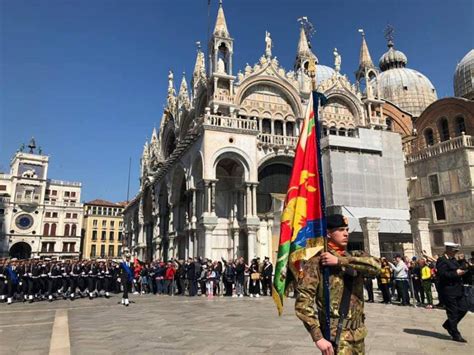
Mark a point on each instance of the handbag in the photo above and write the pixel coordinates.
(255, 276)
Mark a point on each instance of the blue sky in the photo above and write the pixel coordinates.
(88, 78)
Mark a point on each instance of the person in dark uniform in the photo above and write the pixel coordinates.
(450, 275)
(126, 276)
(267, 274)
(191, 273)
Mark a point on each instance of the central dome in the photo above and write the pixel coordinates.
(407, 88)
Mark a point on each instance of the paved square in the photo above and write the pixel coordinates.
(184, 325)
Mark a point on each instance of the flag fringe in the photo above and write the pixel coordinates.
(278, 301)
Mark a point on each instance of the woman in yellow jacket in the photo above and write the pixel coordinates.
(426, 282)
(385, 276)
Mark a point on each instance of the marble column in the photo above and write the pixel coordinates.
(370, 231)
(254, 200)
(213, 197)
(193, 209)
(190, 244)
(235, 242)
(421, 236)
(248, 198)
(270, 237)
(208, 241)
(207, 197)
(251, 243)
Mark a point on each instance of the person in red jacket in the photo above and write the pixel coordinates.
(169, 278)
(137, 268)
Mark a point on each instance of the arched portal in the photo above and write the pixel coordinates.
(147, 253)
(179, 201)
(20, 250)
(230, 179)
(273, 179)
(164, 215)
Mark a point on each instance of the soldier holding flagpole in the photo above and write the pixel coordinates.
(313, 247)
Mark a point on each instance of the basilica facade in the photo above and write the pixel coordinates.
(214, 176)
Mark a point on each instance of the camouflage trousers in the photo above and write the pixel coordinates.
(351, 347)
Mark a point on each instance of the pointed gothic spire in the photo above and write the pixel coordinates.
(365, 61)
(154, 136)
(183, 96)
(303, 47)
(221, 26)
(303, 52)
(183, 88)
(145, 150)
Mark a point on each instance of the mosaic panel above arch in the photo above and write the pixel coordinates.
(339, 113)
(266, 100)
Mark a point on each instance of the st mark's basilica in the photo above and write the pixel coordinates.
(214, 176)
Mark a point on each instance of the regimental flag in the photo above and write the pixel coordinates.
(303, 224)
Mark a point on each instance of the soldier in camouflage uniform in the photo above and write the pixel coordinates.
(310, 291)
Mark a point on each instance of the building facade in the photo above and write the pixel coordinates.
(214, 177)
(440, 164)
(39, 217)
(102, 230)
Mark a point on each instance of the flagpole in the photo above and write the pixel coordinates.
(316, 100)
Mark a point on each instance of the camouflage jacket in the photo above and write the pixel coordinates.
(310, 291)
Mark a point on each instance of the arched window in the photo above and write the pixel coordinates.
(460, 125)
(324, 131)
(389, 123)
(73, 230)
(266, 126)
(351, 132)
(66, 230)
(290, 129)
(333, 131)
(278, 126)
(46, 230)
(429, 137)
(53, 229)
(443, 129)
(342, 132)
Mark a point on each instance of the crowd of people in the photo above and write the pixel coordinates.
(35, 280)
(402, 281)
(399, 281)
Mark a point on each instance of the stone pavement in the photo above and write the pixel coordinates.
(184, 325)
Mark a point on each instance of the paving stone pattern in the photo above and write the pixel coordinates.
(196, 325)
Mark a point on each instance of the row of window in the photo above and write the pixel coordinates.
(103, 236)
(49, 230)
(104, 211)
(111, 251)
(66, 193)
(53, 202)
(104, 224)
(55, 215)
(48, 247)
(443, 130)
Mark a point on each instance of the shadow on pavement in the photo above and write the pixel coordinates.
(427, 333)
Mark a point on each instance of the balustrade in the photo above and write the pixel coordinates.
(440, 148)
(230, 122)
(276, 140)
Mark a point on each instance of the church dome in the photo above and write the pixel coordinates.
(392, 59)
(407, 88)
(323, 73)
(464, 77)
